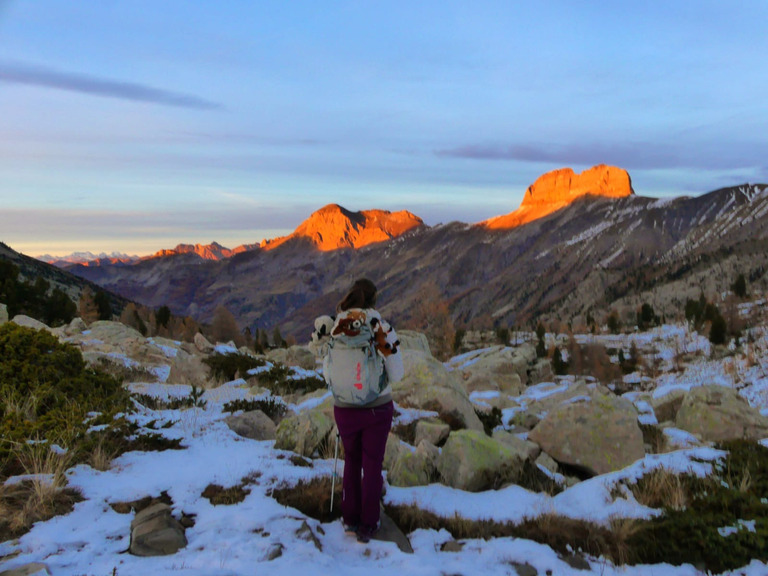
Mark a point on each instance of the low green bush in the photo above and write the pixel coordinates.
(48, 393)
(272, 407)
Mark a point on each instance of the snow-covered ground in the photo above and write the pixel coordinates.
(237, 539)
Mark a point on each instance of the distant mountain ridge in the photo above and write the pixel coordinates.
(595, 252)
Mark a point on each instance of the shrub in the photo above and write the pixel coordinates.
(226, 367)
(490, 419)
(49, 393)
(272, 407)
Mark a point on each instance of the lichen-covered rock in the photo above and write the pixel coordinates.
(253, 424)
(394, 448)
(155, 532)
(414, 341)
(666, 407)
(526, 449)
(414, 468)
(717, 413)
(428, 385)
(304, 433)
(598, 433)
(472, 461)
(433, 432)
(495, 370)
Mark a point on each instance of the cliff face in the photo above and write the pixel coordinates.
(334, 227)
(559, 188)
(213, 251)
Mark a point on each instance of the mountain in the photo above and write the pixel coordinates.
(30, 269)
(559, 188)
(595, 253)
(333, 227)
(88, 259)
(212, 251)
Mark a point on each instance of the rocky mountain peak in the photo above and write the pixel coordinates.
(333, 227)
(212, 251)
(558, 188)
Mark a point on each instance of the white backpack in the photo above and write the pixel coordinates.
(352, 367)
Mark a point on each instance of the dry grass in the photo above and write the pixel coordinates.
(313, 498)
(42, 496)
(101, 456)
(661, 488)
(23, 406)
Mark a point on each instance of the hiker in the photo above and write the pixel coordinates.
(361, 361)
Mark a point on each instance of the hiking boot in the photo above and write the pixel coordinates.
(350, 528)
(365, 533)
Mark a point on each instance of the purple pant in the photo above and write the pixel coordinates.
(364, 434)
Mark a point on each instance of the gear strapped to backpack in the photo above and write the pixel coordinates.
(352, 367)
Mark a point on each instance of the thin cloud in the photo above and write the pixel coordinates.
(45, 77)
(638, 156)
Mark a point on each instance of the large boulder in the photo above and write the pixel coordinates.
(716, 413)
(28, 322)
(498, 368)
(155, 532)
(598, 433)
(433, 432)
(472, 461)
(304, 433)
(414, 341)
(427, 385)
(202, 344)
(414, 468)
(253, 424)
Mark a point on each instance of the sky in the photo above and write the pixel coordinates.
(135, 126)
(230, 540)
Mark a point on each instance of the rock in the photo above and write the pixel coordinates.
(524, 448)
(557, 189)
(415, 468)
(116, 334)
(202, 344)
(77, 326)
(32, 569)
(716, 413)
(394, 449)
(598, 433)
(3, 314)
(306, 533)
(274, 551)
(499, 368)
(427, 385)
(546, 461)
(389, 532)
(433, 432)
(294, 356)
(524, 569)
(541, 371)
(155, 532)
(414, 341)
(452, 546)
(304, 433)
(472, 461)
(666, 407)
(254, 425)
(28, 322)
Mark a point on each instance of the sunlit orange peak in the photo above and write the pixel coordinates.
(557, 189)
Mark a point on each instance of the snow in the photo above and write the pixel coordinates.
(236, 539)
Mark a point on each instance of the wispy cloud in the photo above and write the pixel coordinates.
(19, 73)
(633, 155)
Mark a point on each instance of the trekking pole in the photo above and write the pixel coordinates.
(335, 460)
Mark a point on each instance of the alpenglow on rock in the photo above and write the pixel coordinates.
(557, 189)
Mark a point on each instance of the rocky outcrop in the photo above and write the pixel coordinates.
(557, 189)
(212, 251)
(333, 227)
(155, 532)
(716, 413)
(597, 433)
(499, 368)
(28, 322)
(294, 356)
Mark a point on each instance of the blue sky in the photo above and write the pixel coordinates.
(134, 126)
